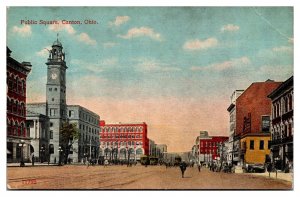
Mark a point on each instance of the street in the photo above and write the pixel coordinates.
(135, 177)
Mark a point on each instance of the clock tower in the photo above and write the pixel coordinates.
(56, 96)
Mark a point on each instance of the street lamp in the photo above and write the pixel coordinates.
(22, 142)
(59, 156)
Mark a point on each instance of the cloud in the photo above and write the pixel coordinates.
(233, 63)
(197, 44)
(60, 27)
(119, 21)
(281, 72)
(94, 67)
(43, 52)
(283, 49)
(140, 32)
(145, 64)
(230, 28)
(85, 38)
(23, 31)
(109, 44)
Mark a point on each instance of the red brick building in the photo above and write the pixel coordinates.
(209, 147)
(253, 110)
(123, 140)
(18, 139)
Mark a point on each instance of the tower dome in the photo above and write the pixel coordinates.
(57, 43)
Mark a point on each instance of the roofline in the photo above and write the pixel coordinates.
(281, 86)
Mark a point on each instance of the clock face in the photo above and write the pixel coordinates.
(53, 75)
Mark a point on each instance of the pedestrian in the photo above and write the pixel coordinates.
(199, 167)
(32, 159)
(182, 166)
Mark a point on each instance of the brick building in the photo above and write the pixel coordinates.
(253, 110)
(121, 141)
(282, 124)
(18, 139)
(210, 148)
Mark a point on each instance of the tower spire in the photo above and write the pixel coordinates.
(57, 37)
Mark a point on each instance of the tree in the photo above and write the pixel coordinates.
(69, 133)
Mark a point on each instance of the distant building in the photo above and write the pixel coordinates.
(18, 137)
(253, 110)
(209, 148)
(233, 145)
(87, 146)
(282, 124)
(122, 140)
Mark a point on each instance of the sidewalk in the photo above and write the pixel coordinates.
(280, 175)
(30, 164)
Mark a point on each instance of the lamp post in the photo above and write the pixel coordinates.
(22, 142)
(59, 155)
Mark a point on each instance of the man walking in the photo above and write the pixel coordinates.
(199, 167)
(182, 166)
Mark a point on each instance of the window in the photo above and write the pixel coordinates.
(261, 145)
(269, 144)
(55, 89)
(265, 123)
(50, 89)
(51, 134)
(71, 113)
(52, 112)
(51, 124)
(51, 148)
(52, 99)
(251, 144)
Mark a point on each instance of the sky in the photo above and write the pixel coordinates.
(174, 68)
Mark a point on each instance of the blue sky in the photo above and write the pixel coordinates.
(174, 68)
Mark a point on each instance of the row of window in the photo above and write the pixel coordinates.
(209, 151)
(284, 105)
(122, 136)
(282, 132)
(122, 129)
(210, 144)
(15, 107)
(16, 129)
(55, 90)
(261, 145)
(86, 117)
(130, 143)
(15, 84)
(88, 129)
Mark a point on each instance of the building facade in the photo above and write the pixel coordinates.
(232, 146)
(122, 141)
(209, 148)
(282, 124)
(18, 138)
(87, 146)
(253, 111)
(38, 127)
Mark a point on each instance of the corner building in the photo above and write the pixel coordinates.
(18, 139)
(253, 111)
(122, 140)
(282, 125)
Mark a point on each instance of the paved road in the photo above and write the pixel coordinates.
(135, 177)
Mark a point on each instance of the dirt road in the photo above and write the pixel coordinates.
(135, 177)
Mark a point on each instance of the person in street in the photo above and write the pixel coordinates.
(32, 159)
(199, 167)
(182, 166)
